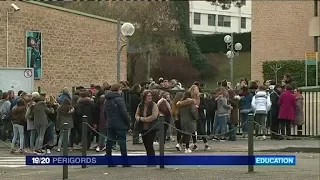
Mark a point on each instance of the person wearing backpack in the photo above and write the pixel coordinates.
(261, 105)
(5, 113)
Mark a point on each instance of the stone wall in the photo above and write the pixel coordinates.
(279, 32)
(76, 49)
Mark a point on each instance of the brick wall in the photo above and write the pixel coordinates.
(76, 49)
(279, 32)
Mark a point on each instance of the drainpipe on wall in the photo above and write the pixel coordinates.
(316, 38)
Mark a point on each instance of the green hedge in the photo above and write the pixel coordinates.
(214, 43)
(295, 67)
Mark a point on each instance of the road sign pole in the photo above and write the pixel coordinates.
(306, 71)
(317, 76)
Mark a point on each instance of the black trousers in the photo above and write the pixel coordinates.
(135, 130)
(200, 131)
(177, 124)
(274, 127)
(148, 141)
(285, 127)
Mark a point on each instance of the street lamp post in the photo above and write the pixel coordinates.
(126, 30)
(233, 50)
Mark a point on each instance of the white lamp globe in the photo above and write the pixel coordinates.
(127, 29)
(227, 39)
(238, 46)
(230, 54)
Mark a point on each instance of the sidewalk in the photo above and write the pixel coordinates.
(307, 168)
(241, 145)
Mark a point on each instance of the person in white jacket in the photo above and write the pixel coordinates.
(261, 105)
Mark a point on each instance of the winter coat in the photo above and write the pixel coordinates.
(85, 107)
(234, 102)
(188, 114)
(261, 103)
(275, 108)
(150, 115)
(63, 117)
(4, 108)
(134, 102)
(18, 115)
(40, 113)
(287, 106)
(30, 122)
(223, 109)
(115, 111)
(62, 97)
(299, 113)
(245, 102)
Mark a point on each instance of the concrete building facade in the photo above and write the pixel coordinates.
(280, 31)
(206, 18)
(77, 48)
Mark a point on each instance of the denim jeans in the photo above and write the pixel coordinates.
(260, 120)
(61, 138)
(222, 127)
(33, 134)
(232, 130)
(41, 130)
(115, 135)
(18, 130)
(244, 122)
(50, 130)
(215, 125)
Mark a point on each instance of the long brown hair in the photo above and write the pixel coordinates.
(177, 97)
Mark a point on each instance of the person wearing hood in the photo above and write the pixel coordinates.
(261, 105)
(85, 107)
(117, 120)
(18, 120)
(5, 112)
(64, 94)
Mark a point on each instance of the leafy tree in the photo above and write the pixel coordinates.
(226, 4)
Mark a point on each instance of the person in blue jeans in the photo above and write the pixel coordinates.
(245, 108)
(222, 112)
(117, 122)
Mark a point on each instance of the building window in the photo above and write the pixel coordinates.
(211, 19)
(243, 2)
(224, 21)
(243, 23)
(197, 18)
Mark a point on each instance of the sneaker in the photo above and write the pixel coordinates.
(103, 149)
(172, 139)
(263, 137)
(155, 143)
(58, 150)
(48, 151)
(187, 151)
(178, 147)
(98, 149)
(206, 147)
(195, 147)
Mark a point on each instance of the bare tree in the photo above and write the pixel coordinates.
(276, 67)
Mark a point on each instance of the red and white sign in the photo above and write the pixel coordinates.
(27, 73)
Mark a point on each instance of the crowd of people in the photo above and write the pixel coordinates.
(32, 121)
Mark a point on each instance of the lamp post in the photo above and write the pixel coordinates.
(126, 30)
(233, 50)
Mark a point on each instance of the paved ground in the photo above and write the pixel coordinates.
(307, 168)
(241, 145)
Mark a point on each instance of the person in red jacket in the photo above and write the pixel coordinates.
(287, 107)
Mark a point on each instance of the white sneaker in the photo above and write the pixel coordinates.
(188, 151)
(98, 149)
(155, 143)
(263, 137)
(58, 150)
(48, 151)
(178, 147)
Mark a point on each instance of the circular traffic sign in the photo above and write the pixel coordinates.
(27, 73)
